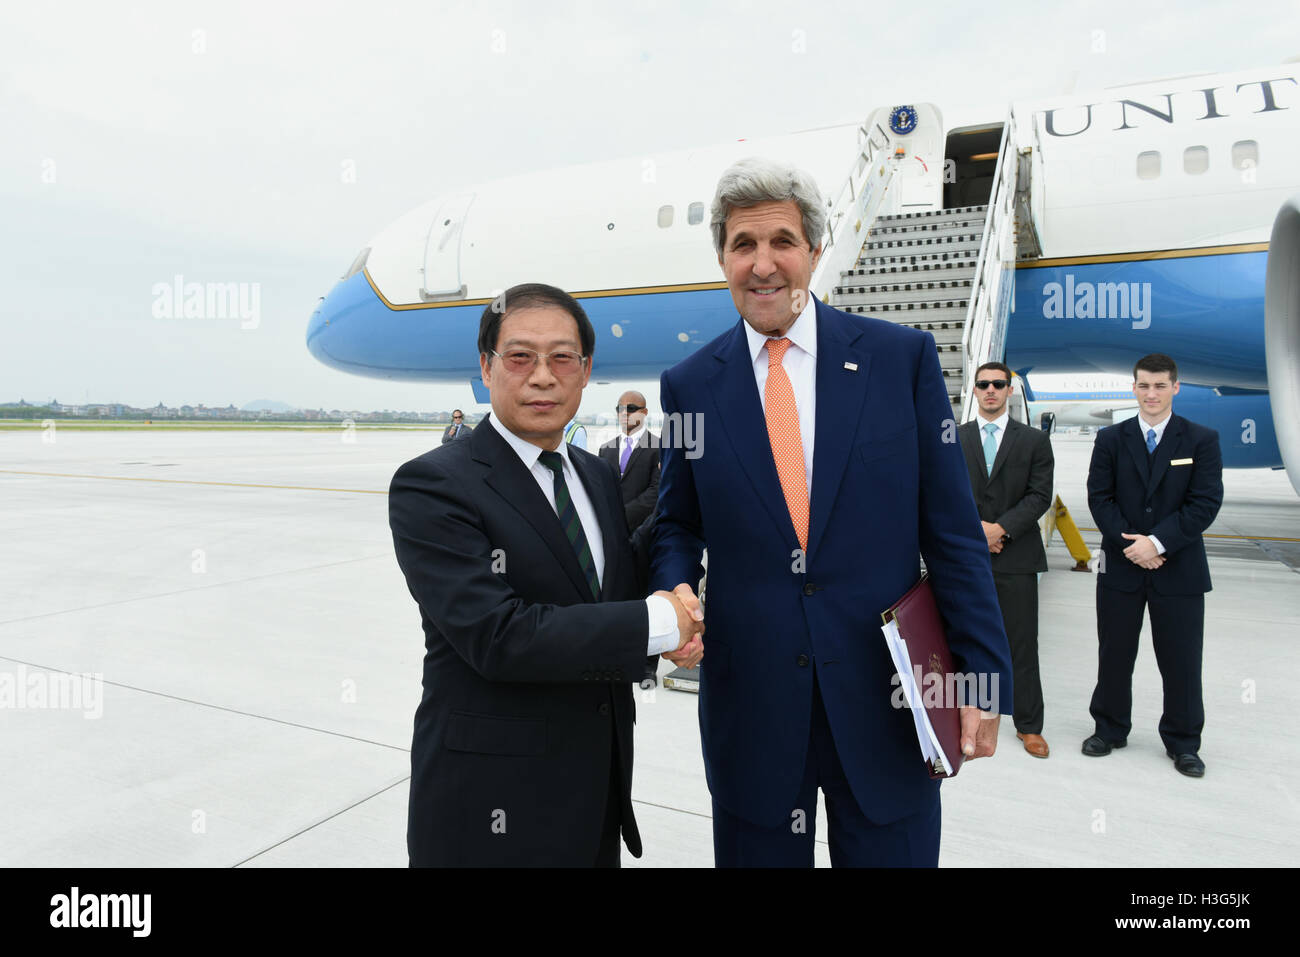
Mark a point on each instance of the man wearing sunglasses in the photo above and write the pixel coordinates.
(458, 429)
(1010, 467)
(514, 546)
(634, 454)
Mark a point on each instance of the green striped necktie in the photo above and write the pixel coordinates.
(570, 522)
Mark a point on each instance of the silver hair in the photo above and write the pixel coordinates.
(755, 180)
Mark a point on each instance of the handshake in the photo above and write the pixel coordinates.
(690, 626)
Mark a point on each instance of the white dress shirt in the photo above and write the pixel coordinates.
(1160, 434)
(663, 617)
(1158, 426)
(800, 364)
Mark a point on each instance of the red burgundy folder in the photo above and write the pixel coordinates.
(918, 621)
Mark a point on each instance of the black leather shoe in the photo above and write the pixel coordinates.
(1096, 746)
(1188, 764)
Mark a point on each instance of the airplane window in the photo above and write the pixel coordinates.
(1245, 154)
(665, 216)
(1196, 159)
(695, 214)
(1148, 165)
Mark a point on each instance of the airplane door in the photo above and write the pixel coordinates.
(1047, 422)
(1016, 404)
(442, 278)
(915, 141)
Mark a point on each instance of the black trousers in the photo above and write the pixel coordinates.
(1018, 598)
(1177, 627)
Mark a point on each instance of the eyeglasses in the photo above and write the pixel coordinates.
(996, 383)
(629, 408)
(521, 361)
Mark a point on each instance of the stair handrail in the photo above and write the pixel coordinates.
(984, 334)
(852, 211)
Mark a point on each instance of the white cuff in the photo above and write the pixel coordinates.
(1160, 549)
(663, 625)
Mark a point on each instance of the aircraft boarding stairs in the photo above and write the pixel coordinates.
(918, 269)
(891, 251)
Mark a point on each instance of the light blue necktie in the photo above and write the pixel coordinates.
(1151, 441)
(990, 446)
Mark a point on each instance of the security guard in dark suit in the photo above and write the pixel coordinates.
(1154, 486)
(1010, 467)
(458, 429)
(634, 455)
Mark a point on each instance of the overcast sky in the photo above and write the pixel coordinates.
(147, 140)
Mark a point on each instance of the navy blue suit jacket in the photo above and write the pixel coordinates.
(1131, 490)
(888, 485)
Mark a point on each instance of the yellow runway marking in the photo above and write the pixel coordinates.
(1240, 538)
(133, 478)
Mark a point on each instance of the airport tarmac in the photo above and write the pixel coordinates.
(260, 662)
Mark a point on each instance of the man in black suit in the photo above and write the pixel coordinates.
(514, 547)
(1154, 486)
(634, 454)
(458, 429)
(1010, 467)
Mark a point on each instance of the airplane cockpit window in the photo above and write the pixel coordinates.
(694, 214)
(1245, 154)
(665, 216)
(1148, 164)
(1196, 160)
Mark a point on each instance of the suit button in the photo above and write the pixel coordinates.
(802, 661)
(1148, 508)
(586, 676)
(618, 675)
(810, 589)
(604, 708)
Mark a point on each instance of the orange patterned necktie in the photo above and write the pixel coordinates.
(787, 444)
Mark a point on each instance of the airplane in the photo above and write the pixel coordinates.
(1070, 234)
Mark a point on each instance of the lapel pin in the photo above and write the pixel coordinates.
(851, 366)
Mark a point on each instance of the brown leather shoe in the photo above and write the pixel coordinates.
(1034, 744)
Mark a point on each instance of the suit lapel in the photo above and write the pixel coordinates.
(509, 479)
(840, 395)
(638, 452)
(610, 523)
(1164, 453)
(742, 424)
(1004, 450)
(1137, 447)
(974, 453)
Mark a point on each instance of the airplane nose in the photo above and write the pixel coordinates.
(337, 320)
